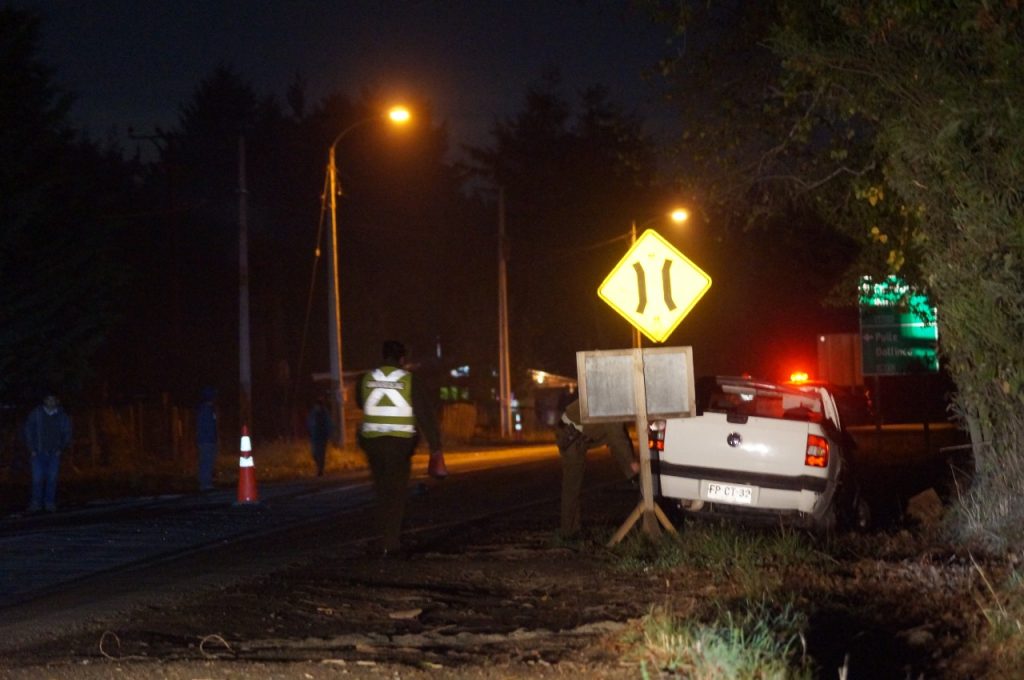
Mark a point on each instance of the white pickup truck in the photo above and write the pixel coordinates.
(760, 449)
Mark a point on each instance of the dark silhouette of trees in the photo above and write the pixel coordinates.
(408, 241)
(574, 175)
(899, 123)
(61, 213)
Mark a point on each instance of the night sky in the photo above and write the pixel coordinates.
(132, 63)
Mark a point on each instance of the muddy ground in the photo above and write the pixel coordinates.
(504, 598)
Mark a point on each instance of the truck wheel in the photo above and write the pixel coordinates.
(825, 526)
(858, 514)
(889, 511)
(853, 509)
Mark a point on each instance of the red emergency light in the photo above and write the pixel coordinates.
(799, 377)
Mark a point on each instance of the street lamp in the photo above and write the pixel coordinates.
(678, 215)
(398, 115)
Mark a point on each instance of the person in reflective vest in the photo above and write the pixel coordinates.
(396, 411)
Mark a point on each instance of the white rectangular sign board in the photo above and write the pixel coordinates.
(606, 379)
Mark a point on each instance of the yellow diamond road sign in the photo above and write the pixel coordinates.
(654, 286)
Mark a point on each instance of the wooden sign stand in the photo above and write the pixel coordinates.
(646, 510)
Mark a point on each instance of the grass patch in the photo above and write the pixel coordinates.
(754, 559)
(759, 641)
(288, 459)
(1002, 639)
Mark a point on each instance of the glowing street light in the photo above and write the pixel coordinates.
(397, 115)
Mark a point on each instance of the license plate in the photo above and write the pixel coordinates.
(730, 493)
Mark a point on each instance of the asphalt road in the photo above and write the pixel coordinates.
(64, 569)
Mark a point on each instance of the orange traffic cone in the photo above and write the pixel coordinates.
(246, 472)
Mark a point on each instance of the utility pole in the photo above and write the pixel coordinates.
(244, 351)
(637, 342)
(334, 301)
(504, 374)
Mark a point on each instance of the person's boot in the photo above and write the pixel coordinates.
(436, 467)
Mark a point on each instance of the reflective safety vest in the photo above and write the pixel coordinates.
(387, 403)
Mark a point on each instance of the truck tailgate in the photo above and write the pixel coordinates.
(760, 445)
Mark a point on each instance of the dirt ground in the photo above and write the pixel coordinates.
(504, 598)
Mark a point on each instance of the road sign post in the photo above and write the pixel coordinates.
(653, 382)
(653, 287)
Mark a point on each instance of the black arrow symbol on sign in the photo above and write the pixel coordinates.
(641, 286)
(666, 284)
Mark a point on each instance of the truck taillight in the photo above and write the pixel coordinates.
(656, 435)
(817, 451)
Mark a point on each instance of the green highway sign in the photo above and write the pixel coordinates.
(898, 329)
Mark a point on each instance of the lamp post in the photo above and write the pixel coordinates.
(504, 371)
(398, 115)
(244, 351)
(678, 215)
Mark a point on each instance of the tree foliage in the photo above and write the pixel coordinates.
(940, 85)
(406, 240)
(574, 175)
(58, 195)
(902, 122)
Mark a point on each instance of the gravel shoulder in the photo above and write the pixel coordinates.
(501, 597)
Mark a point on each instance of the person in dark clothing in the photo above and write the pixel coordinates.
(396, 411)
(206, 437)
(574, 439)
(319, 425)
(47, 434)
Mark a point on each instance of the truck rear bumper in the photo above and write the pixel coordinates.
(766, 491)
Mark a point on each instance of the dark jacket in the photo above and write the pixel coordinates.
(572, 432)
(36, 424)
(206, 423)
(319, 425)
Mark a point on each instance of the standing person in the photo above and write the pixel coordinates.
(319, 425)
(574, 439)
(206, 437)
(396, 410)
(47, 433)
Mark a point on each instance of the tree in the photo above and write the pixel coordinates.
(184, 255)
(58, 271)
(905, 127)
(574, 175)
(406, 243)
(409, 240)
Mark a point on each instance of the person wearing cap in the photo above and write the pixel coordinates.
(397, 409)
(206, 437)
(574, 439)
(47, 434)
